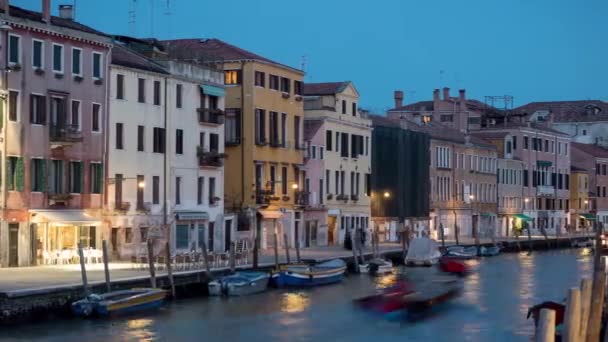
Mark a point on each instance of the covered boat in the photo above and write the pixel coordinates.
(311, 275)
(239, 284)
(461, 252)
(422, 252)
(119, 302)
(377, 266)
(489, 251)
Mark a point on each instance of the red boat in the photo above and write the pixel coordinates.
(387, 301)
(452, 266)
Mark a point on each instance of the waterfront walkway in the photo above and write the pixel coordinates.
(39, 279)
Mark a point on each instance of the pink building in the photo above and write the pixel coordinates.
(315, 215)
(52, 134)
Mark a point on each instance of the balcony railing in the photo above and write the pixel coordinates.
(545, 190)
(263, 197)
(210, 116)
(122, 206)
(59, 199)
(211, 159)
(302, 198)
(65, 134)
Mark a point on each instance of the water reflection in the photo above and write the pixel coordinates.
(139, 329)
(293, 302)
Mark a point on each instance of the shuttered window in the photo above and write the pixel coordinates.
(38, 175)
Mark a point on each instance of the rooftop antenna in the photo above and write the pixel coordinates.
(168, 17)
(152, 18)
(441, 78)
(132, 17)
(303, 64)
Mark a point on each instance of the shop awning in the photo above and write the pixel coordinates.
(270, 214)
(213, 91)
(64, 217)
(587, 216)
(523, 217)
(543, 163)
(189, 215)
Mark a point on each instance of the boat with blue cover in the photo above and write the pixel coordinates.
(119, 302)
(311, 275)
(239, 284)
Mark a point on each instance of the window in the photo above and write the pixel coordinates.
(155, 189)
(354, 111)
(76, 177)
(158, 140)
(274, 82)
(526, 143)
(140, 185)
(77, 62)
(584, 132)
(120, 87)
(344, 143)
(284, 129)
(178, 95)
(509, 147)
(178, 190)
(337, 149)
(214, 142)
(232, 77)
(327, 176)
(181, 236)
(273, 179)
(75, 119)
(604, 169)
(13, 105)
(199, 190)
(96, 177)
(285, 83)
(96, 118)
(525, 177)
(128, 235)
(143, 234)
(119, 136)
(38, 175)
(314, 152)
(179, 141)
(357, 176)
(157, 93)
(211, 236)
(368, 184)
(343, 107)
(274, 128)
(342, 178)
(58, 58)
(297, 87)
(56, 177)
(14, 48)
(260, 79)
(232, 126)
(296, 131)
(14, 174)
(37, 54)
(141, 90)
(328, 136)
(514, 143)
(321, 191)
(212, 196)
(260, 126)
(284, 180)
(141, 138)
(321, 153)
(352, 183)
(337, 182)
(97, 68)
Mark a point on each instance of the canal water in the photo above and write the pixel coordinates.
(492, 307)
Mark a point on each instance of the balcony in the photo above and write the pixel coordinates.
(263, 197)
(545, 190)
(59, 200)
(302, 198)
(342, 197)
(232, 141)
(354, 198)
(64, 135)
(210, 158)
(122, 207)
(208, 116)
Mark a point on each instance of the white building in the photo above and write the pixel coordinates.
(165, 146)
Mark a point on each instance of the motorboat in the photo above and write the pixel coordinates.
(422, 251)
(239, 284)
(453, 266)
(489, 251)
(583, 243)
(377, 266)
(461, 252)
(328, 272)
(119, 302)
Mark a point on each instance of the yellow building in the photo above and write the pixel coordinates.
(579, 199)
(264, 120)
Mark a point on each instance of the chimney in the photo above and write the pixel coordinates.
(66, 12)
(4, 5)
(435, 95)
(398, 98)
(446, 93)
(46, 11)
(461, 95)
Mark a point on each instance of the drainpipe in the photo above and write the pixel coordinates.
(106, 126)
(165, 181)
(4, 128)
(241, 137)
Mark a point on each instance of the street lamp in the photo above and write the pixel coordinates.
(387, 194)
(141, 184)
(294, 186)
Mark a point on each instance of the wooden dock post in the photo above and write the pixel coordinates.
(151, 264)
(83, 271)
(276, 250)
(297, 247)
(572, 316)
(354, 249)
(106, 268)
(205, 258)
(597, 304)
(586, 286)
(232, 256)
(285, 241)
(545, 332)
(169, 268)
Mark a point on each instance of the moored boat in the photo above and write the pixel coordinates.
(119, 302)
(376, 266)
(489, 251)
(239, 284)
(422, 252)
(461, 252)
(311, 275)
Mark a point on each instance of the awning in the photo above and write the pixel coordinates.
(189, 215)
(543, 163)
(213, 91)
(270, 214)
(64, 217)
(587, 216)
(523, 217)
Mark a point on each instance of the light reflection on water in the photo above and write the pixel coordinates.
(492, 308)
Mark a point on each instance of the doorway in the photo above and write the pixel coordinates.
(227, 235)
(331, 230)
(114, 240)
(13, 245)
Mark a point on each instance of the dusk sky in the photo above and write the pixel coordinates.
(534, 50)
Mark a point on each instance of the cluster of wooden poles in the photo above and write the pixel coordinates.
(584, 308)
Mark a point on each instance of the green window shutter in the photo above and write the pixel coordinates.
(43, 175)
(32, 175)
(9, 179)
(81, 185)
(100, 178)
(19, 174)
(2, 114)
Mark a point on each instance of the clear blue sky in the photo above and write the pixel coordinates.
(532, 49)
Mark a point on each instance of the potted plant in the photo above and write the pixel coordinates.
(78, 79)
(285, 198)
(98, 81)
(15, 67)
(285, 95)
(58, 76)
(39, 71)
(330, 196)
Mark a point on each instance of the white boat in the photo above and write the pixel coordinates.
(239, 284)
(376, 266)
(422, 252)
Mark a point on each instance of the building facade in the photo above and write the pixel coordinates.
(344, 170)
(511, 197)
(53, 132)
(264, 139)
(594, 159)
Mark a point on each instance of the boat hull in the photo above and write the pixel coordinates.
(239, 284)
(248, 289)
(119, 302)
(288, 278)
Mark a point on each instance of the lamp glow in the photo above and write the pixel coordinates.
(294, 186)
(141, 185)
(387, 194)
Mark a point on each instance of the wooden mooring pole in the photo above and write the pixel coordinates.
(205, 258)
(169, 268)
(586, 287)
(83, 271)
(276, 250)
(232, 256)
(597, 304)
(285, 242)
(545, 332)
(572, 316)
(354, 249)
(106, 268)
(151, 264)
